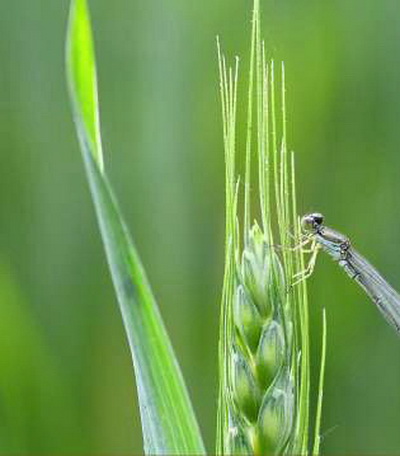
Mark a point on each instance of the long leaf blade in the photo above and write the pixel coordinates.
(81, 67)
(168, 421)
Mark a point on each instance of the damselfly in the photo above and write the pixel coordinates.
(358, 268)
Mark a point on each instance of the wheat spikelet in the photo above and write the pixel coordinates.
(263, 403)
(264, 341)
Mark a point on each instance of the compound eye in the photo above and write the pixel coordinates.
(312, 222)
(318, 218)
(307, 222)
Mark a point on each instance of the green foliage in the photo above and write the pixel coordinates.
(163, 132)
(168, 422)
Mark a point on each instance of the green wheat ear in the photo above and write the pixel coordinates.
(264, 396)
(261, 370)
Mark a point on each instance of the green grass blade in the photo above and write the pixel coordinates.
(168, 422)
(81, 67)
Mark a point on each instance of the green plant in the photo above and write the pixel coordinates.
(168, 422)
(264, 345)
(264, 333)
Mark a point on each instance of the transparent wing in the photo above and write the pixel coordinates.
(378, 289)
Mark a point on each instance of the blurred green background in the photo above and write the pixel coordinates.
(66, 383)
